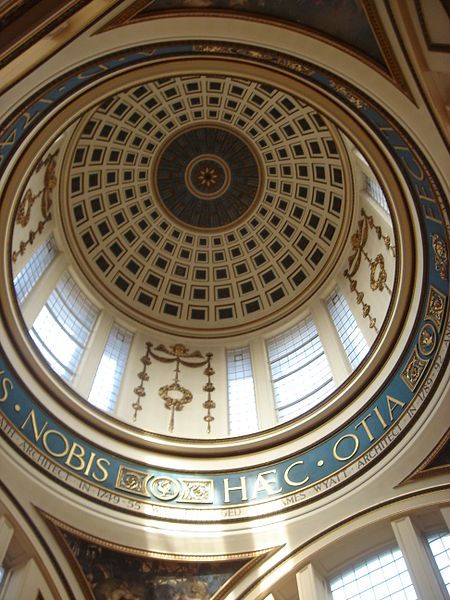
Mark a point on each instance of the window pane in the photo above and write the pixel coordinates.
(383, 576)
(242, 417)
(352, 339)
(440, 547)
(301, 375)
(375, 191)
(26, 279)
(62, 328)
(108, 378)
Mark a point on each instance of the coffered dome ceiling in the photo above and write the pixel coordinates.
(204, 189)
(202, 203)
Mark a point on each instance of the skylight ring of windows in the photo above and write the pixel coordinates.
(375, 191)
(108, 378)
(308, 395)
(439, 544)
(306, 406)
(305, 380)
(72, 335)
(242, 416)
(58, 306)
(34, 269)
(297, 336)
(44, 349)
(304, 365)
(304, 334)
(63, 327)
(238, 374)
(380, 576)
(297, 359)
(83, 306)
(75, 295)
(301, 360)
(352, 339)
(299, 347)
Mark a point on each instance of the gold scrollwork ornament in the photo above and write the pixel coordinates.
(174, 395)
(413, 371)
(378, 282)
(351, 97)
(50, 182)
(198, 491)
(440, 255)
(24, 208)
(132, 480)
(436, 306)
(360, 300)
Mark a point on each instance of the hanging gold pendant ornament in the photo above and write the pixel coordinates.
(378, 275)
(174, 395)
(209, 404)
(143, 376)
(377, 270)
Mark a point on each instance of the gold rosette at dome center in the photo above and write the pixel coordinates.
(208, 266)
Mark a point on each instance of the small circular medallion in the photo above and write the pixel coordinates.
(427, 339)
(207, 177)
(165, 488)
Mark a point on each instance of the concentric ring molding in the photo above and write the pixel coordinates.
(344, 397)
(206, 162)
(297, 472)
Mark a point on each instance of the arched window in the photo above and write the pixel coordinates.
(39, 261)
(106, 386)
(352, 339)
(375, 191)
(242, 417)
(62, 329)
(301, 375)
(440, 548)
(382, 576)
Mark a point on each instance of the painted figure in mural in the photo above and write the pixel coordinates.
(114, 589)
(195, 590)
(182, 589)
(166, 591)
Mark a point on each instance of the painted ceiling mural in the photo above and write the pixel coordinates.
(345, 20)
(110, 572)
